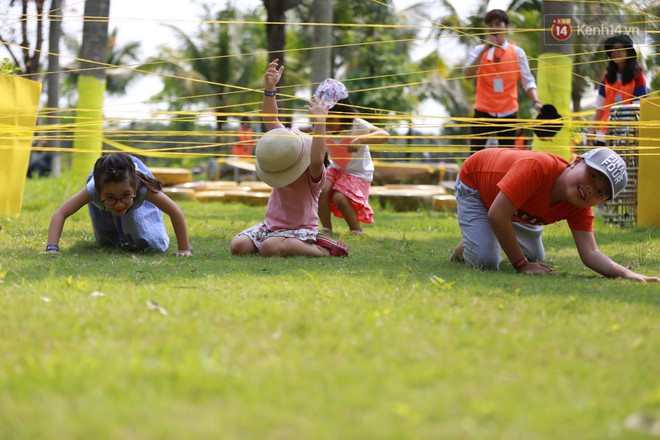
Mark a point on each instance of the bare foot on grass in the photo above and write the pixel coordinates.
(457, 255)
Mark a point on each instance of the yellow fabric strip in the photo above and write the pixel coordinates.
(554, 87)
(18, 117)
(648, 208)
(88, 136)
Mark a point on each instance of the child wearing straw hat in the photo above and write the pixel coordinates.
(351, 170)
(291, 162)
(505, 196)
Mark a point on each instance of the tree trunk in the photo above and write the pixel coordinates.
(276, 33)
(322, 13)
(53, 81)
(32, 60)
(91, 86)
(276, 28)
(94, 51)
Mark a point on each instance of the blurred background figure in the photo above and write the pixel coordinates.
(623, 83)
(498, 65)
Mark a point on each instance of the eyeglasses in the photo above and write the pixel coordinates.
(127, 200)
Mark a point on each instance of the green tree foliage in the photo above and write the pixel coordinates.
(203, 72)
(118, 77)
(7, 66)
(651, 8)
(374, 58)
(22, 32)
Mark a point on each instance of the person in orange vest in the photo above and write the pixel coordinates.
(498, 65)
(624, 83)
(245, 141)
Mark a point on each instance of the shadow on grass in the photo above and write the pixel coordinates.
(400, 249)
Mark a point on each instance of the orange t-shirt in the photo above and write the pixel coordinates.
(526, 178)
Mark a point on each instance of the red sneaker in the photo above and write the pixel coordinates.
(336, 248)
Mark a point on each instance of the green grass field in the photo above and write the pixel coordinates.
(393, 342)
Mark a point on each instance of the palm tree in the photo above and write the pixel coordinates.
(200, 73)
(117, 79)
(383, 59)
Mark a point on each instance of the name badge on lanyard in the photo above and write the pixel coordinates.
(498, 85)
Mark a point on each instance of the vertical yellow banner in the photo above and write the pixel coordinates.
(648, 208)
(554, 87)
(18, 117)
(88, 136)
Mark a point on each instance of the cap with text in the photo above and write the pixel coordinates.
(609, 163)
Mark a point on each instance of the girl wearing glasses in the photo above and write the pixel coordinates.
(125, 203)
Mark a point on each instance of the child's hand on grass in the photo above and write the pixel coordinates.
(535, 269)
(630, 275)
(183, 253)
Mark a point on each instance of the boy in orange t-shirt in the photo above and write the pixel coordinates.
(505, 195)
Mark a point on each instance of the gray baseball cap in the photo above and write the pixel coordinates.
(609, 163)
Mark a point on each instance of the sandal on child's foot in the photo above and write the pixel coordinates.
(336, 248)
(356, 232)
(326, 231)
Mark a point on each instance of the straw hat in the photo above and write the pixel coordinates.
(282, 156)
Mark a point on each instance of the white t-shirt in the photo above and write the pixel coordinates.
(358, 164)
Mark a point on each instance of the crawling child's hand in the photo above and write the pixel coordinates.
(179, 253)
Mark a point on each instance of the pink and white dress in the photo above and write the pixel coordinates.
(352, 173)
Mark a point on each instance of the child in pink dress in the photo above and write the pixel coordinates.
(291, 162)
(348, 178)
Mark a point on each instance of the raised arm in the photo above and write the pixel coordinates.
(375, 136)
(269, 103)
(474, 60)
(66, 210)
(597, 261)
(317, 108)
(165, 204)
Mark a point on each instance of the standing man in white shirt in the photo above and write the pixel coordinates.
(498, 65)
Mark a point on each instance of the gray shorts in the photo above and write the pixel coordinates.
(259, 233)
(481, 248)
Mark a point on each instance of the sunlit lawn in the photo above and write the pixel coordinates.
(393, 342)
